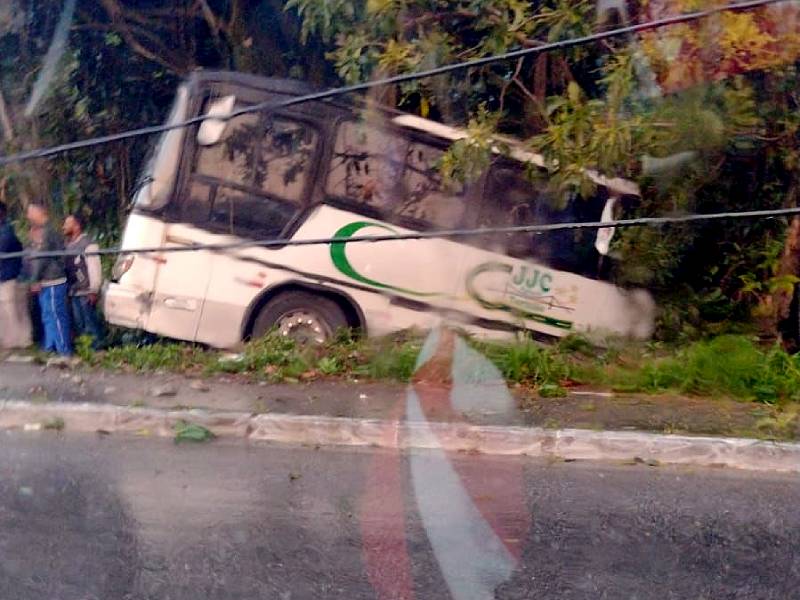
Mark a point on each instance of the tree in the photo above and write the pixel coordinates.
(715, 99)
(119, 71)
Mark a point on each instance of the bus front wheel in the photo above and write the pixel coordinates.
(306, 318)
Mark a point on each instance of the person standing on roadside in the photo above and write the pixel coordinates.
(49, 280)
(84, 274)
(15, 324)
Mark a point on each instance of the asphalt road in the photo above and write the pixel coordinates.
(84, 518)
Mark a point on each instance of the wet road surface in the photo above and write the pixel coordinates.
(85, 517)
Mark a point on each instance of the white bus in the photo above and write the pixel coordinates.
(319, 170)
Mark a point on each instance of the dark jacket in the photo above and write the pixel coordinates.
(50, 269)
(9, 267)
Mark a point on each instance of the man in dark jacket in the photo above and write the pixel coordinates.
(49, 280)
(15, 326)
(85, 274)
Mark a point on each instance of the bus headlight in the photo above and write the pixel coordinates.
(121, 266)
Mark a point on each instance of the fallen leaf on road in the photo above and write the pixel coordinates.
(189, 432)
(56, 424)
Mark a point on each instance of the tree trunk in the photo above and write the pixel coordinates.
(14, 170)
(779, 302)
(781, 299)
(5, 120)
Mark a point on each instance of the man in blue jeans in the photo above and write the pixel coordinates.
(49, 280)
(85, 275)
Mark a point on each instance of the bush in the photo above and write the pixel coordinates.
(727, 365)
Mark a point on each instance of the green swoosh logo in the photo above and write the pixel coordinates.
(473, 292)
(341, 262)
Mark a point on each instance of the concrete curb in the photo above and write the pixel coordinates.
(569, 444)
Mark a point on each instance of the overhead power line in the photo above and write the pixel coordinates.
(421, 235)
(359, 87)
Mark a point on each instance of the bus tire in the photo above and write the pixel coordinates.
(306, 317)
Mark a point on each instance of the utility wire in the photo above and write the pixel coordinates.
(422, 235)
(359, 87)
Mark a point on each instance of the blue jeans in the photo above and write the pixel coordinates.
(55, 319)
(84, 315)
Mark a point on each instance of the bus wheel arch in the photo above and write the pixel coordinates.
(352, 313)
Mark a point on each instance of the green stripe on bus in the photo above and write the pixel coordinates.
(341, 262)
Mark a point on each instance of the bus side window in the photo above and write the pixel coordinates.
(286, 154)
(367, 166)
(229, 162)
(231, 159)
(428, 199)
(257, 175)
(280, 178)
(512, 200)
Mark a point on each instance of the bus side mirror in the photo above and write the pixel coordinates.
(211, 130)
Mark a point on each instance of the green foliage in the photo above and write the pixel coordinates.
(393, 357)
(323, 18)
(592, 107)
(732, 366)
(54, 424)
(527, 362)
(781, 426)
(468, 158)
(83, 348)
(273, 357)
(549, 390)
(167, 356)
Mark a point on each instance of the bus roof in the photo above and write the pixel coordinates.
(408, 121)
(617, 184)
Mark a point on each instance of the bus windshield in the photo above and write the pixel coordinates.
(158, 178)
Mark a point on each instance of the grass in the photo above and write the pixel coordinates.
(272, 358)
(731, 366)
(54, 424)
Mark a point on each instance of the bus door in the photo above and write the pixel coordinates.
(181, 282)
(393, 185)
(220, 167)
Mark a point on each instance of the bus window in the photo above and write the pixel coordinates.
(428, 199)
(256, 176)
(231, 159)
(286, 153)
(513, 200)
(367, 166)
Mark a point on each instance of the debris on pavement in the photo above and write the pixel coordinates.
(167, 389)
(190, 432)
(199, 386)
(58, 362)
(21, 359)
(55, 424)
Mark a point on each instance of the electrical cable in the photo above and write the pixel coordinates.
(421, 235)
